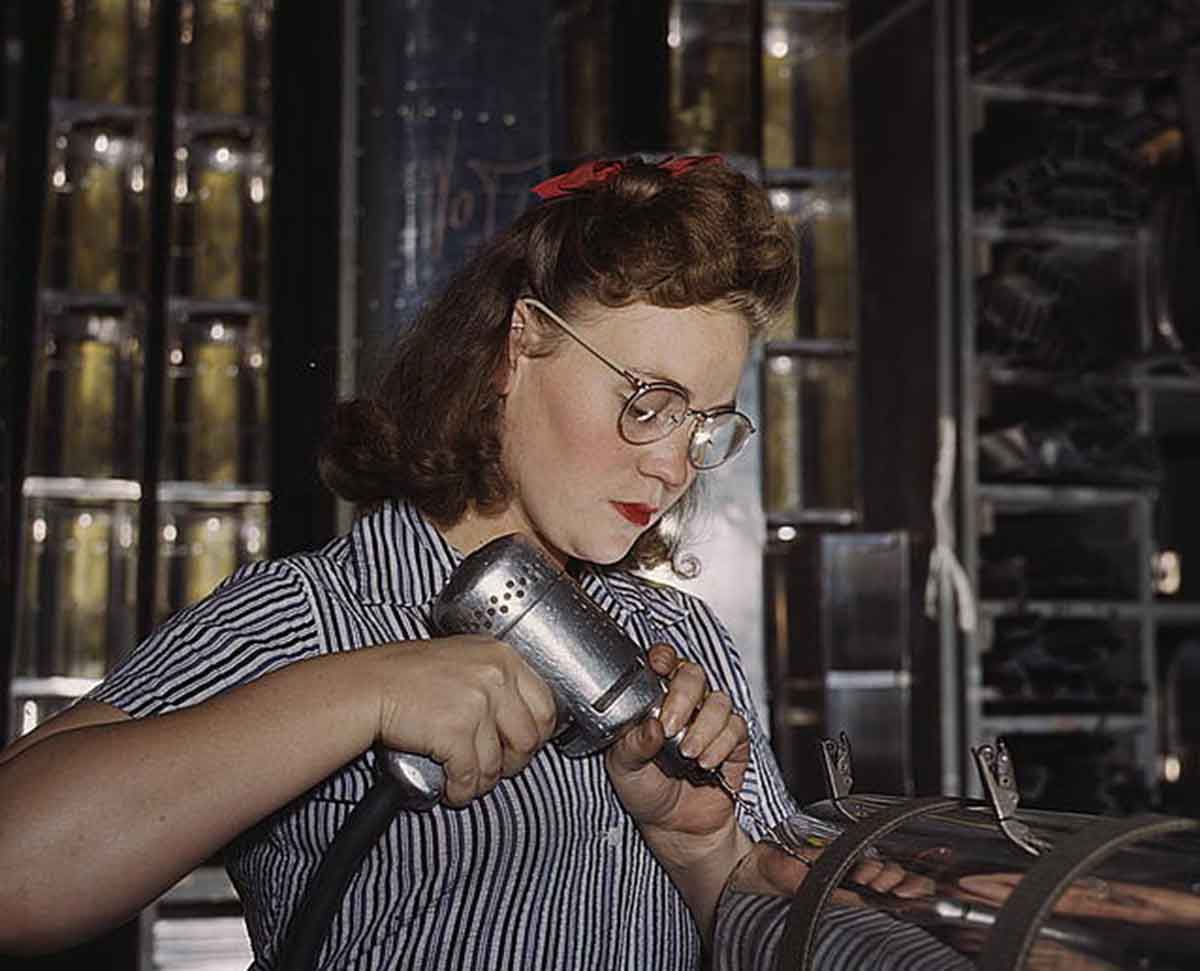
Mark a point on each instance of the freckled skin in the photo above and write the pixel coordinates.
(562, 451)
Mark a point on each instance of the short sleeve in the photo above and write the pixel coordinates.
(763, 788)
(681, 618)
(258, 620)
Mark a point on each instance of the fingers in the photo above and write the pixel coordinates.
(877, 874)
(887, 876)
(525, 721)
(712, 729)
(990, 887)
(716, 733)
(538, 702)
(915, 885)
(637, 747)
(474, 768)
(474, 705)
(515, 720)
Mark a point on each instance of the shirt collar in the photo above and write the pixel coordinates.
(401, 558)
(623, 595)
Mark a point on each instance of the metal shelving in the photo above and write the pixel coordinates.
(146, 478)
(1069, 509)
(159, 144)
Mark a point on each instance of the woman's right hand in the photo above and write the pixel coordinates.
(469, 702)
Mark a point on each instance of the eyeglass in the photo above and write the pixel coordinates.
(657, 408)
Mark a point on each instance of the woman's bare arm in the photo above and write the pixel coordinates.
(94, 799)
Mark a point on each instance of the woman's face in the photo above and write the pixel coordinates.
(581, 489)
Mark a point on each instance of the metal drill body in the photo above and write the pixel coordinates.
(602, 684)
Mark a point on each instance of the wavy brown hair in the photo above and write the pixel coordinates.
(431, 432)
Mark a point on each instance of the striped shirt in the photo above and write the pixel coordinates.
(751, 928)
(546, 871)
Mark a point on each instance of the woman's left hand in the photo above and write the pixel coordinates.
(716, 735)
(691, 830)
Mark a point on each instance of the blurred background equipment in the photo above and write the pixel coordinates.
(986, 392)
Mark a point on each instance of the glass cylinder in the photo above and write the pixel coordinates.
(711, 50)
(222, 183)
(823, 217)
(812, 435)
(225, 57)
(215, 400)
(87, 392)
(77, 611)
(28, 713)
(105, 51)
(96, 212)
(580, 41)
(201, 541)
(806, 122)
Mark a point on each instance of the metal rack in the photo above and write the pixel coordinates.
(1138, 607)
(145, 479)
(937, 387)
(150, 151)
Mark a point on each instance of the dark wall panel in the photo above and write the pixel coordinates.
(901, 261)
(454, 129)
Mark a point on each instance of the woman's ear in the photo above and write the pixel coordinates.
(517, 336)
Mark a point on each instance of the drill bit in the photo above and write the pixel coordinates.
(697, 775)
(723, 784)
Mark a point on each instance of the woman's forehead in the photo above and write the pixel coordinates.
(700, 348)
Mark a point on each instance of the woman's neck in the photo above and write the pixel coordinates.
(475, 529)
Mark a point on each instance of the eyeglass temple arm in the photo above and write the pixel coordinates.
(638, 384)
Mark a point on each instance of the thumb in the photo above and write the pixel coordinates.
(639, 745)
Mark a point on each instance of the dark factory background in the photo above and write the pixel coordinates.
(972, 509)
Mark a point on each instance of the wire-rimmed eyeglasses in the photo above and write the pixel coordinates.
(657, 408)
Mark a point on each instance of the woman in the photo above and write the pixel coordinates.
(571, 383)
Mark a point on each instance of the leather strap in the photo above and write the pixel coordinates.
(831, 867)
(1021, 916)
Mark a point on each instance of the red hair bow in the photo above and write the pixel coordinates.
(598, 171)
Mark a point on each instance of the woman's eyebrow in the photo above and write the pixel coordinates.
(651, 377)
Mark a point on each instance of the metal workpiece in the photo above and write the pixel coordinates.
(963, 880)
(887, 883)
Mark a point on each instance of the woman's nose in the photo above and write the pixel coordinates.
(667, 459)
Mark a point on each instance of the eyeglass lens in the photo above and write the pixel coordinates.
(653, 413)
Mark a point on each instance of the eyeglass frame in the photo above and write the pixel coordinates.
(698, 416)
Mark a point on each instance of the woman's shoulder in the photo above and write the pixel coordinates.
(294, 571)
(658, 591)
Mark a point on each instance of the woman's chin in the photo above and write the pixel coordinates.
(604, 554)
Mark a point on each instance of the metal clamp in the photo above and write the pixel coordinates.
(839, 774)
(1000, 787)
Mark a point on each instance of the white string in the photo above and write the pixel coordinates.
(942, 558)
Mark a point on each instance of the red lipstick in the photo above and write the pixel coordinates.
(637, 513)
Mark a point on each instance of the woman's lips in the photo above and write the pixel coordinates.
(637, 513)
